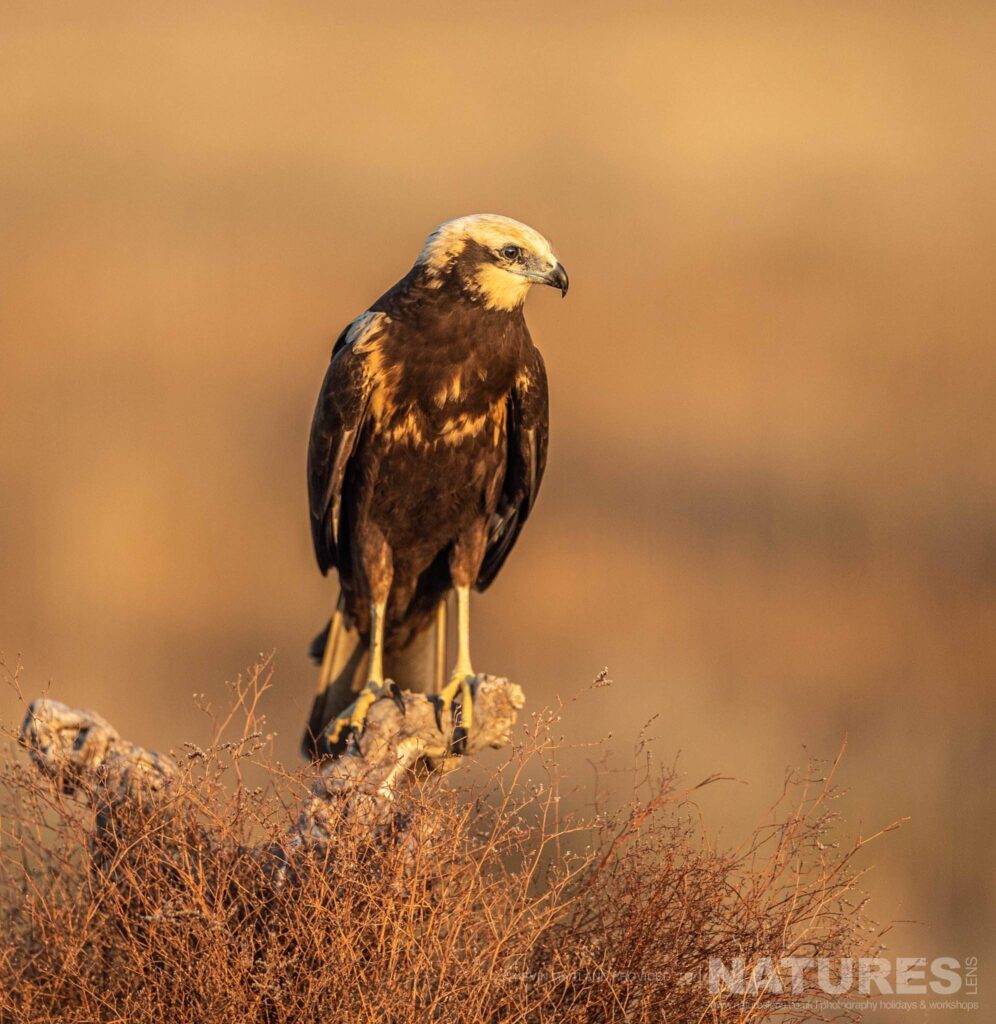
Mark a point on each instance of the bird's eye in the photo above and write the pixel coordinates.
(511, 252)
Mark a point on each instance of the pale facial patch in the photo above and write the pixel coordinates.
(501, 287)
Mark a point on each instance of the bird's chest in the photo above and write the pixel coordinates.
(428, 471)
(436, 452)
(439, 404)
(455, 436)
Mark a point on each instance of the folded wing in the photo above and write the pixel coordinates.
(335, 429)
(528, 431)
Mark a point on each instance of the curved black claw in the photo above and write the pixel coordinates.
(437, 710)
(398, 699)
(334, 749)
(458, 744)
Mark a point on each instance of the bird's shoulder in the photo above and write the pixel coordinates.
(404, 297)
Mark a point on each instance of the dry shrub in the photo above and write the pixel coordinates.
(202, 908)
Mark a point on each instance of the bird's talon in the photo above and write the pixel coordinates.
(397, 697)
(458, 698)
(352, 722)
(458, 746)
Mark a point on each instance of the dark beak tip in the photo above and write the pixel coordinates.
(560, 280)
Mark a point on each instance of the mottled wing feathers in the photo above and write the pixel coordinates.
(338, 420)
(528, 431)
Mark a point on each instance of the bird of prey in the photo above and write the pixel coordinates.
(427, 449)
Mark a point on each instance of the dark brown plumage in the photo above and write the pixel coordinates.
(429, 438)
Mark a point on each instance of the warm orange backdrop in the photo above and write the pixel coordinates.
(772, 485)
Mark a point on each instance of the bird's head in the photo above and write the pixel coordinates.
(494, 259)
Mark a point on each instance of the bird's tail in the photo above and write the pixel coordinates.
(417, 667)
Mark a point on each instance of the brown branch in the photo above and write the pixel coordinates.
(366, 782)
(88, 757)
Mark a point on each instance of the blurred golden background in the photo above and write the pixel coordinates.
(770, 503)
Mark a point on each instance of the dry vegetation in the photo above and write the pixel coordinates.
(206, 904)
(771, 380)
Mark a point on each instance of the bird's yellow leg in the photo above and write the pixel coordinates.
(461, 681)
(376, 686)
(440, 665)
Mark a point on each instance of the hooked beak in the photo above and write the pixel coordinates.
(557, 278)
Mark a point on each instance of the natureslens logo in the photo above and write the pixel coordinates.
(846, 976)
